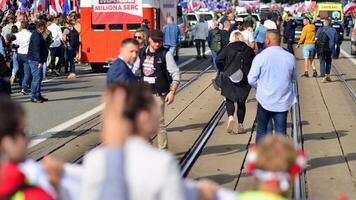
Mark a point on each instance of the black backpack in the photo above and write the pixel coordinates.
(73, 37)
(322, 43)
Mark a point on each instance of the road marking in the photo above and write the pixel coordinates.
(49, 133)
(53, 131)
(347, 55)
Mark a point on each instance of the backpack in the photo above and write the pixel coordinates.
(216, 40)
(322, 44)
(73, 37)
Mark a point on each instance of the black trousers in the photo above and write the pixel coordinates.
(241, 110)
(56, 52)
(198, 43)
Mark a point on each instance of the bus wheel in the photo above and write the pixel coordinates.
(97, 67)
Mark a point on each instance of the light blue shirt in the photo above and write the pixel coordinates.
(273, 74)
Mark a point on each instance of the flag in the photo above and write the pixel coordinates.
(40, 5)
(22, 5)
(3, 4)
(66, 7)
(55, 7)
(76, 5)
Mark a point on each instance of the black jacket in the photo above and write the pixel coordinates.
(289, 29)
(37, 50)
(237, 92)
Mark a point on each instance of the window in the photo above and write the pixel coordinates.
(191, 18)
(98, 27)
(116, 27)
(133, 27)
(180, 20)
(208, 17)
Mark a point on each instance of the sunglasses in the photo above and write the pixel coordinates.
(137, 37)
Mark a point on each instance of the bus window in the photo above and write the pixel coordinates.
(133, 27)
(116, 27)
(98, 27)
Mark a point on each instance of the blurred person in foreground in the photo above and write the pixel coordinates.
(274, 163)
(16, 181)
(273, 74)
(235, 58)
(136, 169)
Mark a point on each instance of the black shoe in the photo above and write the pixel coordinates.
(204, 56)
(42, 98)
(55, 72)
(315, 74)
(34, 100)
(24, 92)
(306, 74)
(198, 57)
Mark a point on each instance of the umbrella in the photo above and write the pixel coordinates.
(350, 7)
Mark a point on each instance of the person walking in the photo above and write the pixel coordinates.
(225, 34)
(340, 31)
(234, 63)
(318, 23)
(141, 38)
(247, 34)
(289, 32)
(200, 32)
(327, 38)
(159, 69)
(71, 38)
(273, 74)
(171, 34)
(215, 42)
(120, 71)
(23, 41)
(260, 36)
(37, 55)
(56, 47)
(269, 24)
(308, 40)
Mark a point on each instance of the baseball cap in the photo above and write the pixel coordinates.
(156, 35)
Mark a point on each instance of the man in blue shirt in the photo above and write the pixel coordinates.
(121, 71)
(273, 74)
(171, 34)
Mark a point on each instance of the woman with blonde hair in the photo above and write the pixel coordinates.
(234, 63)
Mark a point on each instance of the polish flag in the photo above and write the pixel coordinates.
(39, 5)
(76, 5)
(3, 4)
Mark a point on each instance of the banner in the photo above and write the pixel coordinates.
(117, 12)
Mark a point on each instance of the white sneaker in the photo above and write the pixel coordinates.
(230, 124)
(12, 79)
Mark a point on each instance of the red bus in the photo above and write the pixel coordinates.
(104, 23)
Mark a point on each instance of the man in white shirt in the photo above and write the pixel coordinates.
(23, 41)
(247, 33)
(269, 24)
(56, 48)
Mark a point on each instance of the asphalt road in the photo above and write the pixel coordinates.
(69, 99)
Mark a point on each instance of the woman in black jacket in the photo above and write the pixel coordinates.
(236, 55)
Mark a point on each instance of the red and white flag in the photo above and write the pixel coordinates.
(3, 4)
(55, 7)
(75, 6)
(39, 5)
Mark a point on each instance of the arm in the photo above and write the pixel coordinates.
(220, 60)
(256, 33)
(302, 37)
(173, 187)
(209, 39)
(255, 71)
(173, 70)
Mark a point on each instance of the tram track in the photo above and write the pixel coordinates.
(90, 124)
(340, 75)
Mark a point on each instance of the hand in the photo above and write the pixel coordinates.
(207, 189)
(116, 127)
(40, 66)
(169, 98)
(54, 169)
(297, 46)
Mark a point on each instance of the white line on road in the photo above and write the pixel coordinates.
(53, 131)
(347, 55)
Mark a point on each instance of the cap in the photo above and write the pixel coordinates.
(156, 35)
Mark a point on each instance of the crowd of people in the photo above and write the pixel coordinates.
(34, 45)
(141, 82)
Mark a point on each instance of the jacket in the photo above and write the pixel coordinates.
(166, 70)
(13, 185)
(289, 29)
(331, 33)
(215, 39)
(225, 36)
(237, 92)
(171, 34)
(201, 30)
(308, 35)
(119, 72)
(37, 49)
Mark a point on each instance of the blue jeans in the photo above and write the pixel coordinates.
(263, 119)
(36, 79)
(214, 56)
(15, 64)
(325, 64)
(71, 51)
(23, 63)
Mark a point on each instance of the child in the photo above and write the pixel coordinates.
(13, 147)
(274, 162)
